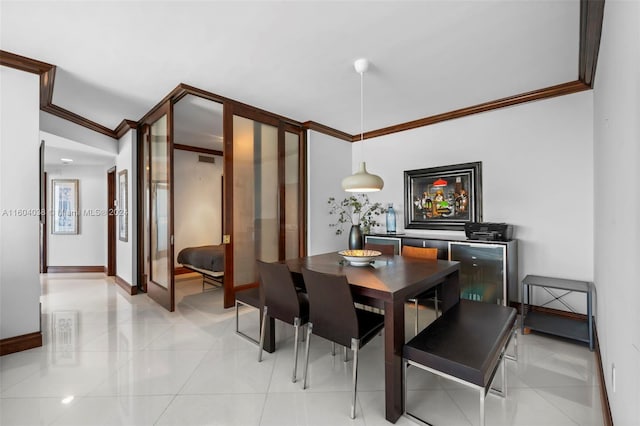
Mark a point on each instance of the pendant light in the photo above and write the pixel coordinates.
(362, 181)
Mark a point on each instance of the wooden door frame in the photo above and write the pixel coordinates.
(111, 268)
(156, 291)
(43, 224)
(231, 109)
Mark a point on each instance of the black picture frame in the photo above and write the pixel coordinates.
(443, 197)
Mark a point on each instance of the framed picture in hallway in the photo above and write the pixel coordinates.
(123, 215)
(64, 205)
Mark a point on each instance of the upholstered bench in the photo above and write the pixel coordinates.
(465, 344)
(248, 297)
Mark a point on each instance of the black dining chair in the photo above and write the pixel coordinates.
(333, 316)
(282, 301)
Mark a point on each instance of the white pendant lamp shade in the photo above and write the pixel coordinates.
(361, 181)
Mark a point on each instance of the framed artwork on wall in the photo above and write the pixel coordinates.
(123, 207)
(64, 205)
(444, 197)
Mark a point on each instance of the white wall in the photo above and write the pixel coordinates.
(19, 192)
(617, 210)
(125, 250)
(198, 201)
(537, 173)
(328, 162)
(89, 246)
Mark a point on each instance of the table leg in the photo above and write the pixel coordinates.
(451, 291)
(393, 343)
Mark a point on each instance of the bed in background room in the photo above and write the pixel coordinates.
(206, 260)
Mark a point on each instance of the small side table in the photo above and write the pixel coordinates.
(554, 324)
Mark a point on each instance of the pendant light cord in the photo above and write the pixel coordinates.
(362, 117)
(361, 106)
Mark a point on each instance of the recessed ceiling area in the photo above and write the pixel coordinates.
(58, 149)
(116, 60)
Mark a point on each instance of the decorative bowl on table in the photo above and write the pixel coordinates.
(359, 257)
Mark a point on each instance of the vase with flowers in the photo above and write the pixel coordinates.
(358, 211)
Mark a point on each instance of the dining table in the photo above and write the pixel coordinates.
(388, 282)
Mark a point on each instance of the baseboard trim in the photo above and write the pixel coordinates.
(20, 343)
(60, 269)
(607, 418)
(123, 284)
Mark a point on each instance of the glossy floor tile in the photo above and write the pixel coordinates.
(113, 359)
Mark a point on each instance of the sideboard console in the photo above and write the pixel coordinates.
(488, 269)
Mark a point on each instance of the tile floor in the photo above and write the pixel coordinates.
(113, 359)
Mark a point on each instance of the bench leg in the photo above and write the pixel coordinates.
(514, 357)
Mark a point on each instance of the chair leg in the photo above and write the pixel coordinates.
(416, 325)
(435, 302)
(306, 361)
(262, 331)
(345, 355)
(482, 398)
(333, 348)
(355, 343)
(514, 357)
(237, 320)
(296, 327)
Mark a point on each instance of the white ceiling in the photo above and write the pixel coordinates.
(57, 148)
(116, 60)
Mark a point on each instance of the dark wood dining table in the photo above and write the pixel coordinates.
(388, 281)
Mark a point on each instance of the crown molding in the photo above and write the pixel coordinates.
(547, 92)
(591, 18)
(312, 125)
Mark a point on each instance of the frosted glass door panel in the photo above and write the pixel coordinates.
(255, 197)
(291, 194)
(160, 207)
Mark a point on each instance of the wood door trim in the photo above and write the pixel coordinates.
(154, 290)
(111, 223)
(227, 170)
(190, 148)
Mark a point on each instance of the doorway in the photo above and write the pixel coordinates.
(111, 221)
